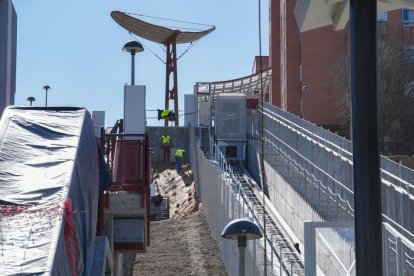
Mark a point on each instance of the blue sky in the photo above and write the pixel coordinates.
(75, 47)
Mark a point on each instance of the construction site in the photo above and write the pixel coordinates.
(243, 185)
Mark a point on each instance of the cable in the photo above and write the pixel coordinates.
(146, 47)
(263, 174)
(167, 19)
(188, 48)
(149, 49)
(183, 28)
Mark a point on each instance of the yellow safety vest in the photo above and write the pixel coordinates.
(165, 139)
(164, 113)
(179, 152)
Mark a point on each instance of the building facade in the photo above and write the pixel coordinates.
(305, 65)
(8, 42)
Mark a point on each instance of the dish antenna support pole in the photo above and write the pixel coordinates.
(171, 89)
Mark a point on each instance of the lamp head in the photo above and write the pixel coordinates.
(242, 228)
(133, 47)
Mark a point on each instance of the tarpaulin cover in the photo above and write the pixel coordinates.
(49, 185)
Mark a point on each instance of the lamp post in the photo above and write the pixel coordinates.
(31, 99)
(242, 230)
(133, 47)
(305, 91)
(46, 88)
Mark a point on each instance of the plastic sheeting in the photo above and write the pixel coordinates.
(49, 184)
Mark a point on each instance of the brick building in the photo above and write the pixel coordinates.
(305, 65)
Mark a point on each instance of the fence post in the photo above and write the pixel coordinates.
(271, 252)
(400, 257)
(385, 249)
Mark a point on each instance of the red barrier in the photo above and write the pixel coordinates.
(128, 158)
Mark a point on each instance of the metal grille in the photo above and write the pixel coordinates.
(230, 117)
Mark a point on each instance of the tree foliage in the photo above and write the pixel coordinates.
(396, 93)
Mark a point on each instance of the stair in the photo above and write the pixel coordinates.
(290, 259)
(204, 140)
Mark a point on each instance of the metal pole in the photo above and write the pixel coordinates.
(132, 67)
(174, 63)
(168, 67)
(241, 261)
(367, 196)
(385, 249)
(400, 256)
(271, 253)
(46, 97)
(280, 260)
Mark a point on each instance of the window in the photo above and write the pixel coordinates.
(382, 17)
(408, 17)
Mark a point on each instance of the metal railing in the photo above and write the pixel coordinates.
(225, 196)
(398, 252)
(325, 159)
(316, 154)
(221, 204)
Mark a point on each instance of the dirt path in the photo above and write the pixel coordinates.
(182, 245)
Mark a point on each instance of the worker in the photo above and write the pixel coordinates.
(179, 157)
(166, 147)
(166, 114)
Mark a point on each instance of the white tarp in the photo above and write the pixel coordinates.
(49, 186)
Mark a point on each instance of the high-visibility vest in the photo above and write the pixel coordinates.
(179, 152)
(165, 139)
(165, 113)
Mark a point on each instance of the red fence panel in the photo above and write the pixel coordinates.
(128, 166)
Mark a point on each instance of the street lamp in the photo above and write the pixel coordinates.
(304, 92)
(242, 230)
(46, 88)
(31, 99)
(133, 47)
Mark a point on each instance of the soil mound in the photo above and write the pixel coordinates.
(182, 245)
(178, 187)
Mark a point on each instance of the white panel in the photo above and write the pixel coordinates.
(98, 118)
(129, 229)
(134, 109)
(190, 109)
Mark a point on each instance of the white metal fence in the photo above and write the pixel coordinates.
(325, 162)
(223, 201)
(221, 204)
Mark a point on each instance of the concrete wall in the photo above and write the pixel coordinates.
(179, 139)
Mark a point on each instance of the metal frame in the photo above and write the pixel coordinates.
(310, 241)
(142, 186)
(171, 68)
